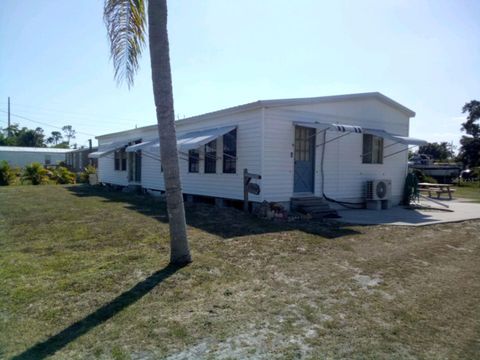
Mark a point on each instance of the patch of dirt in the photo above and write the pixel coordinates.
(366, 281)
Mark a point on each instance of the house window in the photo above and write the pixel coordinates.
(372, 149)
(193, 161)
(230, 152)
(116, 158)
(120, 157)
(304, 137)
(211, 157)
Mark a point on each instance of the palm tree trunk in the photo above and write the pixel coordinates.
(163, 95)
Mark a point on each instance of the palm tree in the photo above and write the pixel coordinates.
(69, 132)
(55, 138)
(35, 173)
(126, 26)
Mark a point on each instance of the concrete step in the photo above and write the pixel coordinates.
(331, 213)
(307, 201)
(316, 207)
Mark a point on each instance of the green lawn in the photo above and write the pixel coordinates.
(83, 275)
(468, 191)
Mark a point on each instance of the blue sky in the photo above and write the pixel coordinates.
(55, 66)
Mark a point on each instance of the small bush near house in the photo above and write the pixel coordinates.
(88, 170)
(36, 174)
(7, 174)
(61, 175)
(475, 174)
(422, 177)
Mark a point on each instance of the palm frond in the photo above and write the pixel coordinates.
(126, 23)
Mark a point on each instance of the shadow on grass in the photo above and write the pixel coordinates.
(225, 222)
(63, 338)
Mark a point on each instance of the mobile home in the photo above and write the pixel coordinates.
(313, 147)
(18, 156)
(78, 159)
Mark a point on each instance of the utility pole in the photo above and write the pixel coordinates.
(8, 131)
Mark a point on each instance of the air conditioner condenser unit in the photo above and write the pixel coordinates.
(378, 193)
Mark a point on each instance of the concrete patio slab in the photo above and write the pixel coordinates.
(398, 215)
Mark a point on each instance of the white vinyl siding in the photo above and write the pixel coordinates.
(265, 145)
(217, 184)
(344, 173)
(23, 158)
(106, 164)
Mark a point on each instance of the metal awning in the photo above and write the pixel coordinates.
(142, 145)
(196, 139)
(189, 141)
(332, 127)
(109, 148)
(396, 138)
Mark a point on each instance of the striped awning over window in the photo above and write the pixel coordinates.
(332, 127)
(359, 130)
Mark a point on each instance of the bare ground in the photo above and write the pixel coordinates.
(73, 265)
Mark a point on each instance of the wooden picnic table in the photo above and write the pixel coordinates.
(439, 189)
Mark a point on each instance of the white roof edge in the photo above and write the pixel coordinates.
(337, 98)
(94, 148)
(35, 149)
(281, 102)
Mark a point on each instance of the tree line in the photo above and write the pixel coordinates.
(469, 152)
(15, 135)
(470, 143)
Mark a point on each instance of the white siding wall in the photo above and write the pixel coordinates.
(345, 175)
(22, 158)
(106, 165)
(219, 185)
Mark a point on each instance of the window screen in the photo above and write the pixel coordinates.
(372, 149)
(117, 160)
(120, 159)
(303, 143)
(211, 157)
(230, 152)
(193, 161)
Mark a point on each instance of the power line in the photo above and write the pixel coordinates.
(85, 115)
(76, 121)
(42, 123)
(73, 120)
(76, 118)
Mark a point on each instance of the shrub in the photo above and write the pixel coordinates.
(61, 175)
(422, 177)
(87, 171)
(7, 174)
(35, 173)
(476, 172)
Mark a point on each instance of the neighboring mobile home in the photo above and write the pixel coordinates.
(78, 159)
(18, 156)
(301, 147)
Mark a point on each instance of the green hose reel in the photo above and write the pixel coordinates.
(411, 191)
